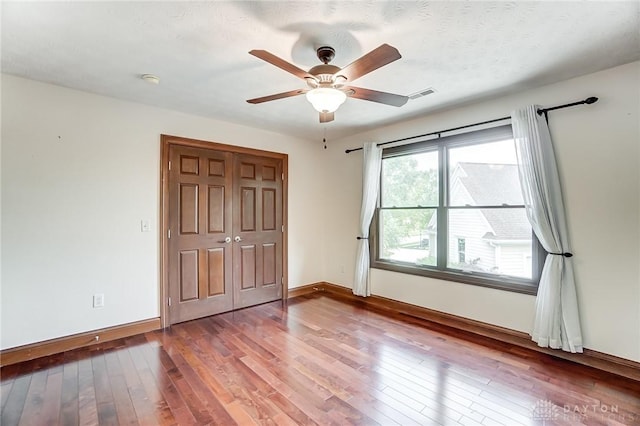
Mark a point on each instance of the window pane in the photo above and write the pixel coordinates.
(484, 175)
(410, 180)
(408, 236)
(495, 241)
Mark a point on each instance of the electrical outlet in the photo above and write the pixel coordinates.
(98, 300)
(145, 225)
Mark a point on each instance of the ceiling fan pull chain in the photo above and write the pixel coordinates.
(324, 139)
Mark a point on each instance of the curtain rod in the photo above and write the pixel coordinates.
(540, 111)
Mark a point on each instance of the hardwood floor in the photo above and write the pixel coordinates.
(317, 360)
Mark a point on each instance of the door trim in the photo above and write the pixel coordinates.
(166, 141)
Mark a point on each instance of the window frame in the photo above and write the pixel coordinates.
(441, 270)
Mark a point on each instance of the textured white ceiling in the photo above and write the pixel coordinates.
(465, 50)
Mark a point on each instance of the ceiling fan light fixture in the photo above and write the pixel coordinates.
(326, 99)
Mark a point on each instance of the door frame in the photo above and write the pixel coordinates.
(166, 141)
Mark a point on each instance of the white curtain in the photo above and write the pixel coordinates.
(557, 323)
(370, 184)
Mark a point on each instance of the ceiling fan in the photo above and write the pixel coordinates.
(329, 86)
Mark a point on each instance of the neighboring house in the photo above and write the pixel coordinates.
(488, 240)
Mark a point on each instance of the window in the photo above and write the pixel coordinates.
(452, 208)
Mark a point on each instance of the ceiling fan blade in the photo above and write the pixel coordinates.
(281, 63)
(375, 96)
(373, 60)
(326, 117)
(277, 96)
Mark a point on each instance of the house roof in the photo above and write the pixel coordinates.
(507, 224)
(480, 180)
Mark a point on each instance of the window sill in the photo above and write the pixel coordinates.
(506, 284)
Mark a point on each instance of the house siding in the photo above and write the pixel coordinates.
(470, 225)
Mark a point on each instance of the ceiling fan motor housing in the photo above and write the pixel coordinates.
(324, 74)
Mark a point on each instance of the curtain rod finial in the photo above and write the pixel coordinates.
(591, 100)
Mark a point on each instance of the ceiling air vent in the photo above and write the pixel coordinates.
(422, 93)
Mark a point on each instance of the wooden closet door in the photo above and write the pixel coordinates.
(200, 219)
(257, 225)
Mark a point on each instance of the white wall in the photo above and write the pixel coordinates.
(79, 172)
(597, 148)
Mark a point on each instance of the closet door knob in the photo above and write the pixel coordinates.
(226, 240)
(237, 239)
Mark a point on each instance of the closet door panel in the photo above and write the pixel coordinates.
(200, 220)
(258, 230)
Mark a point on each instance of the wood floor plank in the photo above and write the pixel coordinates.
(160, 388)
(300, 406)
(252, 390)
(202, 398)
(315, 360)
(69, 408)
(52, 398)
(197, 408)
(35, 398)
(87, 405)
(121, 396)
(199, 354)
(141, 401)
(286, 368)
(400, 403)
(5, 389)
